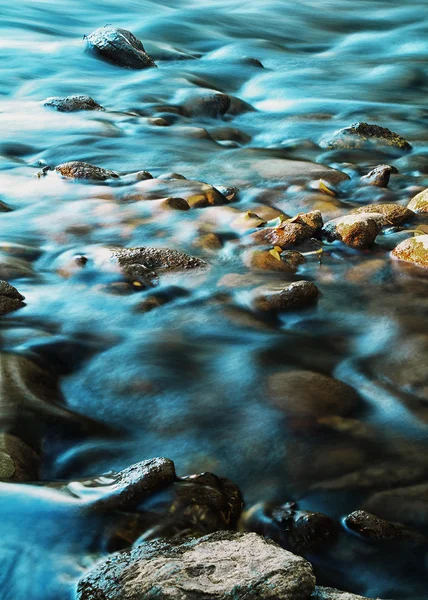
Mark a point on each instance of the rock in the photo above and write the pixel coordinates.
(379, 176)
(203, 103)
(81, 170)
(171, 176)
(302, 393)
(290, 231)
(18, 462)
(299, 294)
(230, 192)
(326, 593)
(197, 193)
(10, 298)
(363, 135)
(217, 566)
(407, 505)
(12, 267)
(419, 203)
(287, 261)
(394, 214)
(414, 251)
(296, 530)
(120, 47)
(5, 207)
(355, 230)
(175, 204)
(373, 528)
(158, 121)
(72, 103)
(208, 241)
(157, 259)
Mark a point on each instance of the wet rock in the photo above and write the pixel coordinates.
(300, 294)
(296, 530)
(407, 505)
(5, 207)
(414, 251)
(287, 261)
(158, 121)
(12, 267)
(120, 47)
(203, 103)
(157, 259)
(164, 296)
(363, 135)
(302, 393)
(18, 462)
(326, 593)
(72, 103)
(10, 298)
(373, 528)
(224, 134)
(217, 566)
(290, 231)
(379, 176)
(229, 192)
(197, 193)
(394, 214)
(419, 203)
(171, 176)
(355, 230)
(208, 241)
(81, 170)
(175, 204)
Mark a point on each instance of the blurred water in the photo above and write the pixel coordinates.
(188, 380)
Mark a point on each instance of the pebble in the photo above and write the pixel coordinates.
(120, 47)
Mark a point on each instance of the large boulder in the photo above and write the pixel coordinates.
(120, 47)
(218, 566)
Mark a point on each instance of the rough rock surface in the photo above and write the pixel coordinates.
(419, 203)
(10, 298)
(299, 294)
(379, 176)
(291, 231)
(356, 230)
(394, 214)
(18, 462)
(374, 528)
(364, 135)
(81, 170)
(326, 593)
(414, 251)
(302, 393)
(156, 258)
(218, 566)
(119, 46)
(72, 103)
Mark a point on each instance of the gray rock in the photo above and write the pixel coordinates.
(219, 566)
(10, 298)
(157, 259)
(72, 103)
(419, 203)
(379, 176)
(364, 135)
(413, 251)
(120, 47)
(81, 170)
(325, 593)
(299, 294)
(355, 230)
(394, 214)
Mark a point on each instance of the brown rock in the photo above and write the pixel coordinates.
(355, 230)
(81, 170)
(299, 294)
(379, 176)
(287, 261)
(414, 251)
(175, 204)
(205, 103)
(394, 214)
(18, 462)
(419, 203)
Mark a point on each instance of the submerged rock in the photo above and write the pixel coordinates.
(72, 103)
(287, 261)
(364, 135)
(355, 230)
(204, 103)
(120, 47)
(81, 170)
(394, 214)
(18, 462)
(197, 193)
(414, 251)
(218, 566)
(374, 528)
(326, 593)
(379, 176)
(10, 298)
(5, 207)
(419, 203)
(299, 294)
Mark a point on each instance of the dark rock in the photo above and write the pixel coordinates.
(72, 103)
(355, 230)
(197, 193)
(299, 294)
(394, 214)
(407, 505)
(379, 176)
(81, 170)
(10, 298)
(175, 204)
(363, 135)
(414, 251)
(120, 47)
(218, 566)
(373, 528)
(5, 207)
(230, 192)
(203, 103)
(18, 462)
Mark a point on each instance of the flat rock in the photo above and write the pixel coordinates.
(394, 214)
(419, 203)
(365, 135)
(81, 170)
(10, 298)
(326, 593)
(302, 393)
(355, 230)
(300, 294)
(414, 251)
(72, 103)
(120, 47)
(219, 566)
(157, 259)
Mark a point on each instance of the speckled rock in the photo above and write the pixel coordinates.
(326, 593)
(414, 251)
(355, 230)
(371, 527)
(215, 567)
(394, 214)
(72, 103)
(287, 261)
(302, 393)
(299, 294)
(290, 231)
(81, 170)
(364, 135)
(419, 203)
(158, 259)
(18, 462)
(120, 47)
(203, 103)
(379, 176)
(10, 298)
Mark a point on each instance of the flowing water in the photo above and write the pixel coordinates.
(189, 379)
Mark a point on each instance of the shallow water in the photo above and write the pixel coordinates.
(189, 379)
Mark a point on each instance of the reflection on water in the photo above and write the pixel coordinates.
(190, 379)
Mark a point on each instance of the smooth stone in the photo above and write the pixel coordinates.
(203, 103)
(120, 47)
(217, 566)
(72, 103)
(419, 203)
(414, 251)
(175, 204)
(355, 230)
(373, 528)
(379, 176)
(197, 193)
(300, 294)
(364, 135)
(266, 260)
(81, 170)
(394, 214)
(302, 393)
(10, 298)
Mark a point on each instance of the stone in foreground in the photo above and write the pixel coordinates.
(120, 47)
(10, 298)
(365, 136)
(419, 203)
(81, 170)
(413, 251)
(72, 103)
(218, 566)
